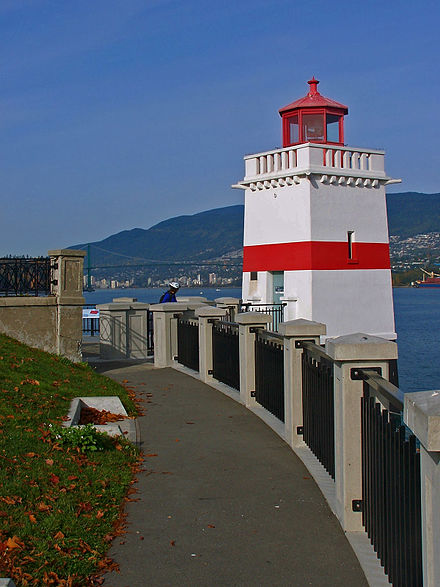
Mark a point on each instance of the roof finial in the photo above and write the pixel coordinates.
(313, 83)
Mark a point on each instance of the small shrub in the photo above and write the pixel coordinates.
(85, 438)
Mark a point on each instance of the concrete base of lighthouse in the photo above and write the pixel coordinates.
(346, 301)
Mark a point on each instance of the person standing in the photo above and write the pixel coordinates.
(170, 295)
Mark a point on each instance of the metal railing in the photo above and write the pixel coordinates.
(391, 500)
(91, 325)
(318, 404)
(225, 353)
(188, 343)
(20, 277)
(274, 310)
(269, 372)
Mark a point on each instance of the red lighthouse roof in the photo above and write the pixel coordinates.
(314, 100)
(314, 119)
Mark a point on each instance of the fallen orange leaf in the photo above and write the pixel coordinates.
(14, 542)
(32, 518)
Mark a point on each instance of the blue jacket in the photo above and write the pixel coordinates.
(167, 297)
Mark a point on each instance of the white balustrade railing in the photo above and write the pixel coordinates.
(280, 161)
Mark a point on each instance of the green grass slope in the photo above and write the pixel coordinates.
(58, 506)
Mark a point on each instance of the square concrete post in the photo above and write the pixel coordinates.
(422, 415)
(293, 331)
(231, 304)
(165, 332)
(205, 315)
(247, 321)
(352, 351)
(67, 286)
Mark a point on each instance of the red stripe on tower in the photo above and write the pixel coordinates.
(316, 255)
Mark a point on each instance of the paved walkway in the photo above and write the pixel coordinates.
(223, 501)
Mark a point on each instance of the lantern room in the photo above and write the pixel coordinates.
(313, 119)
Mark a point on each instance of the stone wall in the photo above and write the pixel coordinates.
(52, 323)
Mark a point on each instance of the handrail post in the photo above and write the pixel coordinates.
(206, 316)
(352, 351)
(247, 321)
(231, 304)
(422, 415)
(293, 331)
(164, 338)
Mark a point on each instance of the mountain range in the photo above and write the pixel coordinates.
(218, 233)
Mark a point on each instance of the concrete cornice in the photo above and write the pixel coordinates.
(20, 301)
(302, 327)
(323, 174)
(361, 347)
(66, 253)
(253, 318)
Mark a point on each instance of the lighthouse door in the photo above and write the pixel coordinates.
(278, 286)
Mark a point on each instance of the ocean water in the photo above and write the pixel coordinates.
(417, 313)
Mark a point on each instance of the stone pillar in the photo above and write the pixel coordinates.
(294, 331)
(247, 321)
(165, 332)
(231, 304)
(123, 330)
(205, 315)
(352, 351)
(67, 286)
(422, 415)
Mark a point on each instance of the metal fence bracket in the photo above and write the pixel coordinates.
(356, 505)
(355, 372)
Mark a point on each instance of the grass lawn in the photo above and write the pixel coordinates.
(59, 508)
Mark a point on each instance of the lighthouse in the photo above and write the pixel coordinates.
(315, 224)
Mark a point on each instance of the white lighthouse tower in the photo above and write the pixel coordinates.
(315, 229)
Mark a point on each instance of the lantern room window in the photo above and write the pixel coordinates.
(313, 127)
(293, 129)
(333, 128)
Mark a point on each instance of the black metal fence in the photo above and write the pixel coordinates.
(269, 372)
(318, 404)
(188, 343)
(276, 311)
(391, 500)
(25, 276)
(225, 353)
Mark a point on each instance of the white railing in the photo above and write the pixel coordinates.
(314, 157)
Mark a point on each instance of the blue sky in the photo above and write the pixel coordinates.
(119, 114)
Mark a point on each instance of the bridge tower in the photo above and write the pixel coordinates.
(315, 229)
